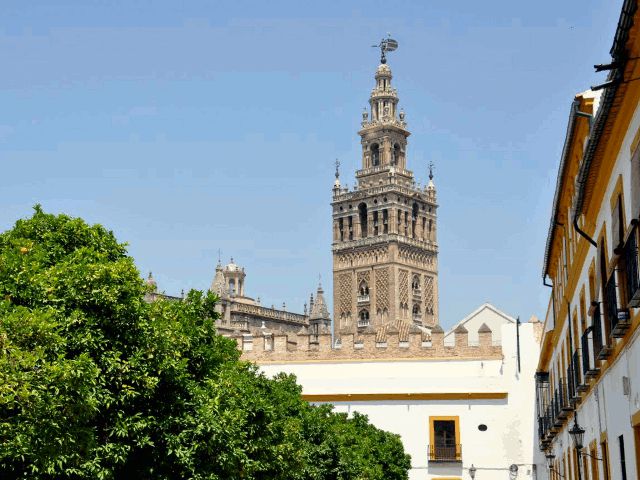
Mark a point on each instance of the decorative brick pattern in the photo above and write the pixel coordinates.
(429, 299)
(382, 288)
(345, 292)
(360, 258)
(364, 276)
(403, 287)
(417, 257)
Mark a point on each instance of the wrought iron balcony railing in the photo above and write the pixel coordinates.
(445, 453)
(630, 261)
(611, 302)
(600, 349)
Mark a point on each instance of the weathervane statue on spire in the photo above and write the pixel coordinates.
(386, 45)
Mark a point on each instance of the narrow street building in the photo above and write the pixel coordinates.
(588, 378)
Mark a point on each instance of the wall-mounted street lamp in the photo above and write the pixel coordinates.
(472, 471)
(577, 435)
(550, 458)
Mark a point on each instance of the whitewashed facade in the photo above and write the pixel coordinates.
(490, 401)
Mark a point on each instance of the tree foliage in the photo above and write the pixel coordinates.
(96, 383)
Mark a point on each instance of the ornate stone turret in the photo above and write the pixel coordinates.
(384, 231)
(218, 284)
(234, 279)
(319, 318)
(151, 282)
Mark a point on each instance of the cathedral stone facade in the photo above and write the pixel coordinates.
(241, 314)
(385, 254)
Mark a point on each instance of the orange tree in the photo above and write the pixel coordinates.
(96, 383)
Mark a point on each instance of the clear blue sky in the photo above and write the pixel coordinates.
(188, 127)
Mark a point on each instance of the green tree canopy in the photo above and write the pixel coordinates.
(96, 383)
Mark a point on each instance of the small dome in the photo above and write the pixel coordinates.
(231, 267)
(383, 69)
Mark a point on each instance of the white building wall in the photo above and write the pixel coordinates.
(486, 314)
(509, 438)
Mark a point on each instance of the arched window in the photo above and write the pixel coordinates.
(414, 218)
(395, 159)
(364, 288)
(375, 155)
(363, 319)
(417, 318)
(415, 284)
(232, 286)
(362, 211)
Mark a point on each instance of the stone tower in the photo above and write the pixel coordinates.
(385, 263)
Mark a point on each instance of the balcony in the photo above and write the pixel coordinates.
(363, 299)
(619, 319)
(600, 350)
(417, 319)
(417, 292)
(632, 274)
(563, 395)
(578, 374)
(445, 453)
(363, 323)
(589, 360)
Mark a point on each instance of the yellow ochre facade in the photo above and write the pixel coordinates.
(588, 377)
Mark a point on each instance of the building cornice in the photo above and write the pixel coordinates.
(385, 239)
(428, 396)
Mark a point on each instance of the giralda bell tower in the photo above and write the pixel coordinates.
(385, 254)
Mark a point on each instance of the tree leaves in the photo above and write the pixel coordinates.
(96, 383)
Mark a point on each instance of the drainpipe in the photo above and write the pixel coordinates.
(589, 117)
(582, 233)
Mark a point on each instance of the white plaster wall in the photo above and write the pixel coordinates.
(494, 320)
(510, 434)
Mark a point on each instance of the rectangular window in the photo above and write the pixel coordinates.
(444, 433)
(617, 224)
(623, 463)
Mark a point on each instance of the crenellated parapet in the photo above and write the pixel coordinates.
(390, 343)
